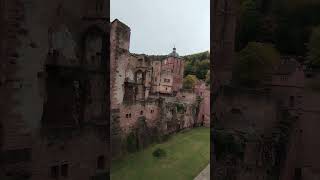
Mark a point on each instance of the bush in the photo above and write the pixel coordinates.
(158, 153)
(189, 81)
(180, 108)
(132, 143)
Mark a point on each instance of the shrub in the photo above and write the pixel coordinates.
(189, 81)
(180, 108)
(158, 153)
(131, 143)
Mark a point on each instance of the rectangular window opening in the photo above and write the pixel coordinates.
(54, 172)
(64, 170)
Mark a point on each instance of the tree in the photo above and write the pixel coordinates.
(314, 47)
(189, 68)
(189, 81)
(285, 23)
(202, 68)
(197, 64)
(255, 63)
(250, 23)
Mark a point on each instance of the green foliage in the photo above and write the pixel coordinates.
(314, 47)
(197, 64)
(198, 56)
(254, 63)
(285, 23)
(187, 153)
(189, 81)
(131, 143)
(180, 107)
(159, 153)
(226, 144)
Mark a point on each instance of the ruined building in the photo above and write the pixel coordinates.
(53, 88)
(265, 133)
(147, 99)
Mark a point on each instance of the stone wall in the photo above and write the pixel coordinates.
(243, 109)
(40, 34)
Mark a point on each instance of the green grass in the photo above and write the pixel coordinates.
(187, 154)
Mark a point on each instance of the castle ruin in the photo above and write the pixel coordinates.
(148, 101)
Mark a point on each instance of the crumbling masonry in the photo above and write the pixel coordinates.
(147, 99)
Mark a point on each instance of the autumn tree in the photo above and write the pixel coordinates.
(189, 81)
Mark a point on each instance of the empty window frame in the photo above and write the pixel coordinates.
(64, 170)
(54, 172)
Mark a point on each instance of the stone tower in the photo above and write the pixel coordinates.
(119, 46)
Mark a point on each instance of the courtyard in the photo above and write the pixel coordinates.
(187, 154)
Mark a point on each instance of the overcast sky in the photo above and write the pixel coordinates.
(158, 25)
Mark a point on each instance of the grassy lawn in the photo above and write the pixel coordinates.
(187, 154)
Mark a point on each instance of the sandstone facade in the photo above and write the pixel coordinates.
(148, 101)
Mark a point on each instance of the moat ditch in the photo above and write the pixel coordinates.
(187, 153)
